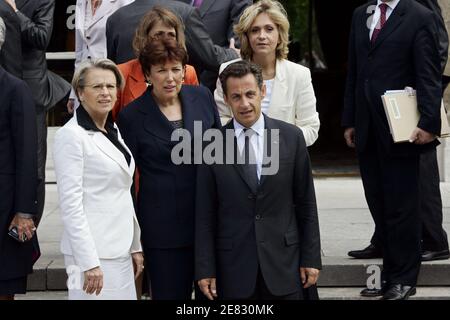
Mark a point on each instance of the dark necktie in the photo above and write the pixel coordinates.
(197, 3)
(382, 22)
(250, 161)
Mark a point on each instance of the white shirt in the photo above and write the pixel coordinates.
(256, 140)
(266, 101)
(376, 16)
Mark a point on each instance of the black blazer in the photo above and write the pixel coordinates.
(404, 54)
(275, 227)
(203, 53)
(433, 5)
(36, 19)
(165, 204)
(11, 52)
(18, 172)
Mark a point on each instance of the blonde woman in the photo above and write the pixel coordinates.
(263, 30)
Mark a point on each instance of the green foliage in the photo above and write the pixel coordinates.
(298, 18)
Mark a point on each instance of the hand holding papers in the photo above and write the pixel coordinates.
(403, 115)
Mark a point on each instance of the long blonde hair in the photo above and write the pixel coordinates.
(277, 14)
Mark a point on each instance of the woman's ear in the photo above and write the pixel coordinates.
(80, 95)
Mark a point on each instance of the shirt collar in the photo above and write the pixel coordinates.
(84, 120)
(258, 126)
(391, 4)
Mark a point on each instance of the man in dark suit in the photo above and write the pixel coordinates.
(257, 235)
(434, 237)
(203, 53)
(219, 17)
(11, 54)
(17, 181)
(393, 49)
(47, 88)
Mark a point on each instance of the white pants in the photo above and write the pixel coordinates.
(118, 280)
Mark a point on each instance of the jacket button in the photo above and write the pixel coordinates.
(88, 37)
(251, 196)
(258, 217)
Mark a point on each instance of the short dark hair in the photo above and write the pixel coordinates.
(240, 69)
(148, 22)
(161, 51)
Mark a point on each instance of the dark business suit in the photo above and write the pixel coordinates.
(219, 18)
(404, 54)
(11, 53)
(17, 173)
(271, 231)
(203, 54)
(165, 204)
(434, 237)
(47, 88)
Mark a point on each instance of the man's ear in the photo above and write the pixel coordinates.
(263, 90)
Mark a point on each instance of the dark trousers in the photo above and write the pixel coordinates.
(170, 273)
(262, 292)
(434, 237)
(41, 118)
(391, 186)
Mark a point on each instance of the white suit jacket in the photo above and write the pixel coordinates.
(90, 40)
(96, 206)
(293, 99)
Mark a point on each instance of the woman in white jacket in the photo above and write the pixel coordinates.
(94, 172)
(263, 30)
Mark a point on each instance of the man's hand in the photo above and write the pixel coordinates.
(420, 136)
(24, 225)
(232, 46)
(93, 281)
(309, 276)
(208, 287)
(138, 263)
(349, 136)
(12, 3)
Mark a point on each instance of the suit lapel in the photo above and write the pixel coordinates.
(104, 9)
(232, 158)
(395, 19)
(206, 5)
(280, 88)
(269, 126)
(155, 122)
(110, 150)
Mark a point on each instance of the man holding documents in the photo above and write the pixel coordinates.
(392, 48)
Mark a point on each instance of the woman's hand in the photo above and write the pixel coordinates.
(93, 281)
(138, 263)
(24, 226)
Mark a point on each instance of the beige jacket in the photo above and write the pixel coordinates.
(293, 99)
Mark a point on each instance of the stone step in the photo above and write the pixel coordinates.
(49, 273)
(325, 293)
(352, 293)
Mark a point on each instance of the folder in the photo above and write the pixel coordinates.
(403, 115)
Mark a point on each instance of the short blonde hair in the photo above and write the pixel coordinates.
(149, 20)
(79, 77)
(277, 14)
